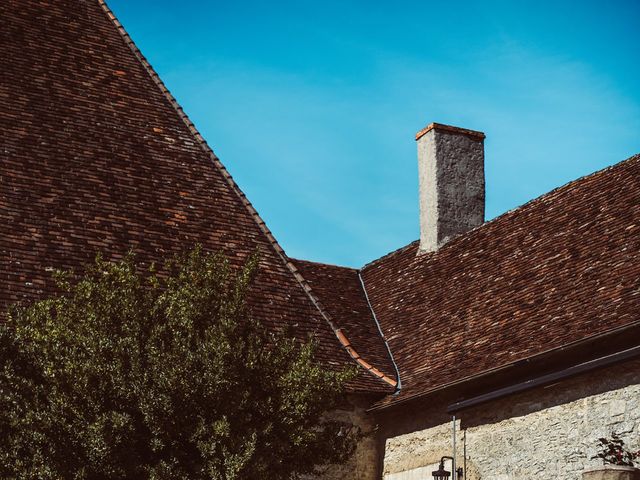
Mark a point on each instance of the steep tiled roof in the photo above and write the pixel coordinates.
(340, 291)
(97, 157)
(561, 268)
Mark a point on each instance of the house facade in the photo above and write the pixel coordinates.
(511, 345)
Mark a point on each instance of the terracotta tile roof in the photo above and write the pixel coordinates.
(561, 268)
(340, 291)
(97, 157)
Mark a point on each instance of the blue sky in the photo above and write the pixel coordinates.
(313, 106)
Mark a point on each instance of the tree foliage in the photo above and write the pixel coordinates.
(131, 374)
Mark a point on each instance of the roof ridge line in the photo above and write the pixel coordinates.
(556, 190)
(231, 182)
(392, 252)
(559, 190)
(325, 264)
(512, 211)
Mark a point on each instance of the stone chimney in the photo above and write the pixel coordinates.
(451, 177)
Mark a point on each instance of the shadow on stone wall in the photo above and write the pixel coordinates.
(547, 432)
(525, 403)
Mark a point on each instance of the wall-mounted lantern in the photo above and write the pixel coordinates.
(442, 474)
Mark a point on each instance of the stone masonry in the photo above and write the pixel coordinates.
(363, 465)
(544, 434)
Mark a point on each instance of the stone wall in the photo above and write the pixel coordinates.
(366, 461)
(546, 433)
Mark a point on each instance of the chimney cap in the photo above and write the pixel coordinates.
(451, 129)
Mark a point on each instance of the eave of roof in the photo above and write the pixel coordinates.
(612, 341)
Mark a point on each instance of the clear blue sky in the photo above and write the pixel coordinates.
(313, 106)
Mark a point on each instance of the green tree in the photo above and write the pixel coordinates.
(131, 374)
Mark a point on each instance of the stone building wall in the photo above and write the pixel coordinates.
(366, 460)
(547, 433)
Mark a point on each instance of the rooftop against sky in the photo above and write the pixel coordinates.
(314, 108)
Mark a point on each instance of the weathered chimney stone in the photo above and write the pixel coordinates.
(451, 178)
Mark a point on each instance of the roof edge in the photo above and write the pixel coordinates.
(546, 379)
(346, 343)
(231, 182)
(325, 264)
(512, 211)
(391, 254)
(553, 352)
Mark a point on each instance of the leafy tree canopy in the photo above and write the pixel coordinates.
(131, 374)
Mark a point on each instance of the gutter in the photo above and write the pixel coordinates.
(505, 369)
(584, 367)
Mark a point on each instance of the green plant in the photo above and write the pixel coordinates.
(131, 374)
(613, 451)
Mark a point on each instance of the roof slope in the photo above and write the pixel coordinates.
(561, 268)
(97, 157)
(340, 291)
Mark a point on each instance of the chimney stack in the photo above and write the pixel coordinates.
(451, 177)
